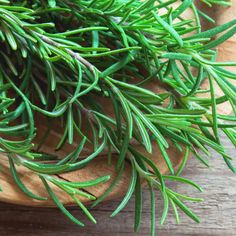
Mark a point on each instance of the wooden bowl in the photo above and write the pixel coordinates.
(100, 167)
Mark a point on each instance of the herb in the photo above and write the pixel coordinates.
(59, 58)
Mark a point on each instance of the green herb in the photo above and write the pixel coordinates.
(58, 58)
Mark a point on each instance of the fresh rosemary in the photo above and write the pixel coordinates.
(60, 60)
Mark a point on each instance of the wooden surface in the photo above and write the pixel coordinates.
(217, 212)
(12, 194)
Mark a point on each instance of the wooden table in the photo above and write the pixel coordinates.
(217, 212)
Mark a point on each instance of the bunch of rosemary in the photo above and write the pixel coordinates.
(60, 58)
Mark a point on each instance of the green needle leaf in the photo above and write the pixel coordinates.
(185, 209)
(85, 210)
(153, 211)
(145, 137)
(138, 204)
(52, 3)
(20, 183)
(183, 180)
(169, 29)
(59, 204)
(129, 192)
(70, 124)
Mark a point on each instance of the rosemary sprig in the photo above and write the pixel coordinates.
(63, 60)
